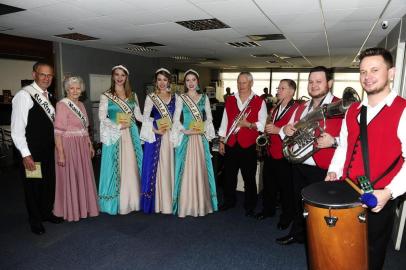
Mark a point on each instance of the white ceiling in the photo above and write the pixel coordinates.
(318, 32)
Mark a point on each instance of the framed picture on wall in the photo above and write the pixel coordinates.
(174, 78)
(7, 96)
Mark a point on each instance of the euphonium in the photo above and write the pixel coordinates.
(295, 146)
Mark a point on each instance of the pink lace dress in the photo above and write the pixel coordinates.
(75, 190)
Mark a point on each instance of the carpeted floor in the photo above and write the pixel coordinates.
(225, 240)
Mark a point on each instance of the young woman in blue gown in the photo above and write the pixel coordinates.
(159, 161)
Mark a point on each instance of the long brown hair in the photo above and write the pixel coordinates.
(127, 87)
(164, 73)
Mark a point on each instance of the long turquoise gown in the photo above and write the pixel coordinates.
(197, 199)
(111, 165)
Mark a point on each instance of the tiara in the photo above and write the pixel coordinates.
(122, 67)
(192, 71)
(162, 69)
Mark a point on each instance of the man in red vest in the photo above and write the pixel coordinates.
(277, 171)
(314, 168)
(238, 145)
(385, 118)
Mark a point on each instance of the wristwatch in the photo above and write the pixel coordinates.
(335, 144)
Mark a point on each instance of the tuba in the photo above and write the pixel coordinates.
(295, 147)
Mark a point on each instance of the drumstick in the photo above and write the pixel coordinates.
(354, 186)
(368, 199)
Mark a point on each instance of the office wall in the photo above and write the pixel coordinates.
(12, 72)
(82, 61)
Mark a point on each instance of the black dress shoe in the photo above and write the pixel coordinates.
(286, 240)
(225, 207)
(282, 226)
(38, 229)
(54, 219)
(249, 213)
(263, 215)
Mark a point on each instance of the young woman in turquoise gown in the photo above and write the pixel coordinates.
(195, 189)
(119, 186)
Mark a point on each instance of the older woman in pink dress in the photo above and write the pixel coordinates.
(75, 191)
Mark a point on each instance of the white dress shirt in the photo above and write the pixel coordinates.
(327, 100)
(22, 103)
(262, 115)
(398, 184)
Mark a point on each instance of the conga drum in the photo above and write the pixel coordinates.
(336, 227)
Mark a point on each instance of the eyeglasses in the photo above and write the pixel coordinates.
(43, 75)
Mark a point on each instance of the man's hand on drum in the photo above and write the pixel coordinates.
(331, 176)
(383, 196)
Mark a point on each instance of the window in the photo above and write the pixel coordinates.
(262, 80)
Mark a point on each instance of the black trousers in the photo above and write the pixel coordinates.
(39, 192)
(303, 176)
(245, 159)
(379, 233)
(277, 177)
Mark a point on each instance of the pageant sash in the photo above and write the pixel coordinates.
(76, 111)
(42, 101)
(193, 109)
(121, 104)
(161, 106)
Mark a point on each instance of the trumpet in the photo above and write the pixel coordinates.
(234, 127)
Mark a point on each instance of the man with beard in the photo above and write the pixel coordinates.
(314, 168)
(384, 118)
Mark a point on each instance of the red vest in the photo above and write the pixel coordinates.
(333, 125)
(275, 145)
(384, 145)
(245, 136)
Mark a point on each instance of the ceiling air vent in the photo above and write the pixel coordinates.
(5, 9)
(181, 58)
(206, 24)
(5, 28)
(244, 44)
(140, 49)
(147, 44)
(76, 36)
(263, 55)
(266, 37)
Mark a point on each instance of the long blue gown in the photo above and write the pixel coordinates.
(150, 163)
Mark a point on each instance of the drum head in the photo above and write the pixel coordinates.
(334, 194)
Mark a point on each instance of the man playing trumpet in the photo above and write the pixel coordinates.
(314, 168)
(277, 171)
(244, 115)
